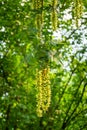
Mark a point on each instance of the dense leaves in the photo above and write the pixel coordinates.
(26, 47)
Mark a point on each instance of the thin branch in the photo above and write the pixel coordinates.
(72, 101)
(77, 114)
(66, 122)
(66, 85)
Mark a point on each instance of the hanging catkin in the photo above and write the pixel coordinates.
(78, 9)
(38, 6)
(54, 14)
(43, 91)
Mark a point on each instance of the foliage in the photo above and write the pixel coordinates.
(28, 43)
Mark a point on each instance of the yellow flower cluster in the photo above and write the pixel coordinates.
(54, 15)
(43, 91)
(78, 9)
(38, 5)
(54, 20)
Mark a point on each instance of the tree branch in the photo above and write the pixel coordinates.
(66, 122)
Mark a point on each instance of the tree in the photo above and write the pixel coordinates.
(39, 69)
